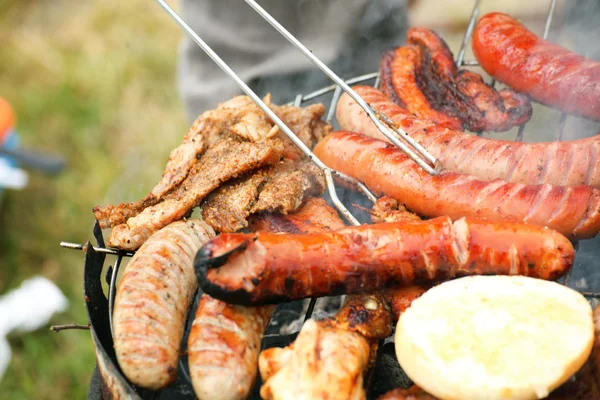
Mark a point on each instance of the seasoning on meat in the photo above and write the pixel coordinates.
(222, 144)
(278, 188)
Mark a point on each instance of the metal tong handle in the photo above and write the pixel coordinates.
(327, 171)
(376, 117)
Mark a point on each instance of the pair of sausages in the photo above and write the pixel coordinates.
(225, 339)
(572, 211)
(571, 163)
(547, 73)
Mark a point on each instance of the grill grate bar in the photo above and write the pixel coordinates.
(468, 33)
(385, 130)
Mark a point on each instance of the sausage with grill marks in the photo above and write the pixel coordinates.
(224, 342)
(153, 297)
(572, 211)
(265, 268)
(570, 163)
(548, 73)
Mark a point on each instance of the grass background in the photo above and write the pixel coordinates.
(95, 82)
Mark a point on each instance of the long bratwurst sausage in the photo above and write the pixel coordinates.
(267, 268)
(571, 163)
(572, 211)
(529, 64)
(152, 300)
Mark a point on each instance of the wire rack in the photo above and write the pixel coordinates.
(335, 91)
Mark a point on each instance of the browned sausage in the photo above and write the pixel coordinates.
(547, 73)
(569, 163)
(152, 300)
(572, 211)
(423, 78)
(223, 348)
(268, 268)
(224, 341)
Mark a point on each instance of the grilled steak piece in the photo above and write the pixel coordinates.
(278, 188)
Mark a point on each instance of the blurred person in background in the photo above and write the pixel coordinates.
(347, 35)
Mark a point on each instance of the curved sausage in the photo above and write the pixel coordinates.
(399, 83)
(423, 78)
(572, 211)
(224, 342)
(267, 268)
(571, 163)
(152, 300)
(546, 72)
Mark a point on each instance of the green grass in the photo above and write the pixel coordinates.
(94, 82)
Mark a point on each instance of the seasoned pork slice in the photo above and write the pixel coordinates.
(278, 188)
(226, 160)
(238, 119)
(388, 209)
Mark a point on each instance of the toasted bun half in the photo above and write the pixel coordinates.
(494, 337)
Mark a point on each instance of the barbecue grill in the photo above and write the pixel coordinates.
(109, 382)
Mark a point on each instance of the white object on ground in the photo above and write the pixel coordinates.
(11, 177)
(27, 308)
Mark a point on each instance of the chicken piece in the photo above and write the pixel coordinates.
(329, 358)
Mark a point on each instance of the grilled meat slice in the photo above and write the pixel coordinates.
(227, 159)
(306, 123)
(278, 188)
(388, 209)
(423, 78)
(238, 119)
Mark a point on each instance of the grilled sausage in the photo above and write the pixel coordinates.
(546, 72)
(572, 211)
(399, 84)
(224, 341)
(267, 268)
(223, 348)
(152, 300)
(423, 78)
(571, 163)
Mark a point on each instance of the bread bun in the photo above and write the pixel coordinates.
(494, 337)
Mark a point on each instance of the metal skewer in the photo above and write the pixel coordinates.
(328, 172)
(374, 116)
(77, 246)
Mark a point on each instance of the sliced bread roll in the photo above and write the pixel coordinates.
(494, 337)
